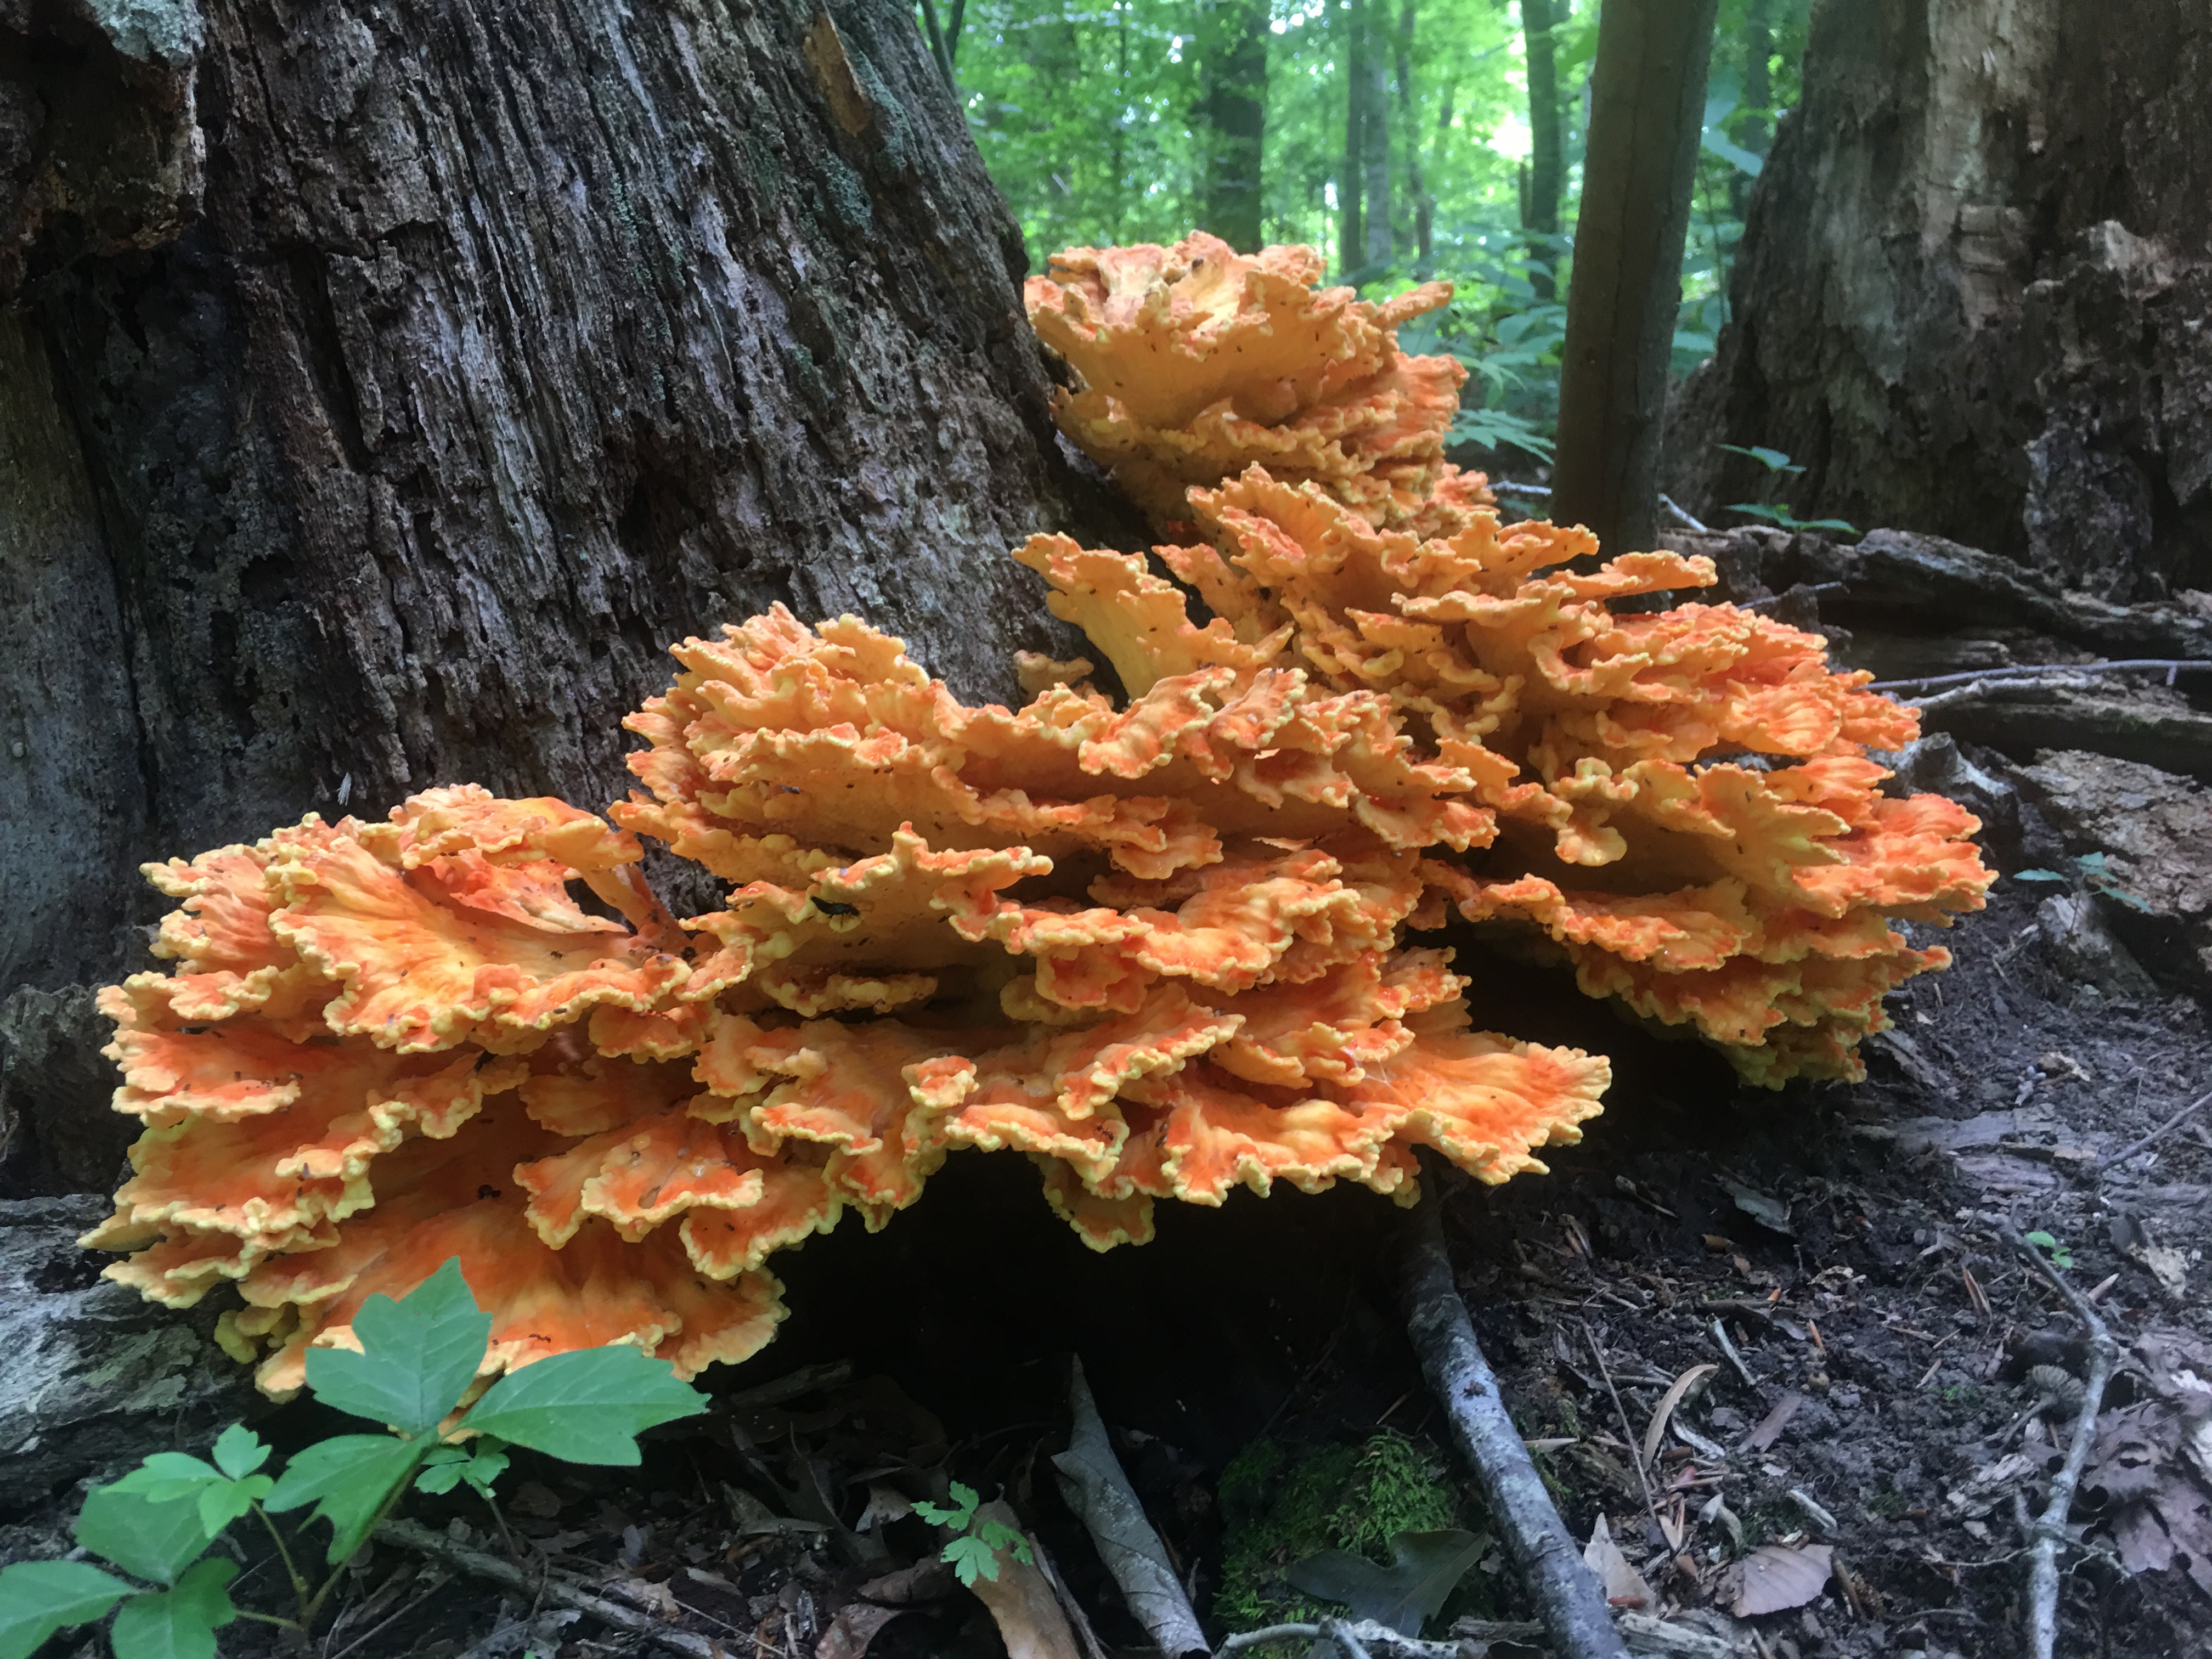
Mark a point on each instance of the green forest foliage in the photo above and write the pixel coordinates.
(1094, 117)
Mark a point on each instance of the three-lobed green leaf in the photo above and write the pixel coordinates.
(587, 1407)
(418, 1355)
(38, 1598)
(449, 1466)
(179, 1623)
(347, 1480)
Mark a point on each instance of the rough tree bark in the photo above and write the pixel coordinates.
(1647, 102)
(387, 386)
(1232, 113)
(1971, 291)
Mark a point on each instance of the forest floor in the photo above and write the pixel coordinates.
(1867, 1400)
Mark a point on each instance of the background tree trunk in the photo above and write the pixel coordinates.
(498, 348)
(1352, 225)
(1970, 293)
(1647, 105)
(1548, 171)
(1375, 134)
(1233, 112)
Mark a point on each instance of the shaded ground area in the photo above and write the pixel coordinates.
(1868, 1396)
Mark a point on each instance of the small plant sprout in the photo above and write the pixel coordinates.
(2059, 1255)
(1772, 460)
(2094, 872)
(973, 1551)
(418, 1357)
(1779, 465)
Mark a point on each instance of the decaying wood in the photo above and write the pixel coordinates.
(1969, 291)
(92, 1376)
(1567, 1596)
(544, 1585)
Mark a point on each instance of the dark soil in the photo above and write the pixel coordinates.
(1842, 1236)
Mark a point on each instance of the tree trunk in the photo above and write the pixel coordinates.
(498, 348)
(1233, 117)
(1970, 293)
(1647, 104)
(1417, 190)
(1546, 172)
(1375, 139)
(1350, 226)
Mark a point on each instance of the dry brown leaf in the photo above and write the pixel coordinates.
(1625, 1587)
(1677, 1391)
(1022, 1604)
(1770, 1426)
(1772, 1579)
(853, 1628)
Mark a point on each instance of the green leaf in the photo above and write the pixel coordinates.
(223, 1501)
(438, 1479)
(587, 1407)
(2037, 875)
(1001, 1536)
(964, 1500)
(165, 1477)
(1845, 525)
(1767, 510)
(347, 1480)
(486, 1467)
(179, 1623)
(38, 1598)
(152, 1538)
(971, 1558)
(1772, 460)
(418, 1355)
(239, 1451)
(1404, 1595)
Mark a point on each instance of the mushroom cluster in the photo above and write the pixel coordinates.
(1164, 943)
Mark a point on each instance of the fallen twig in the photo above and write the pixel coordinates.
(1628, 1429)
(2169, 665)
(1720, 1336)
(1098, 1491)
(1568, 1597)
(2144, 1143)
(2048, 1530)
(551, 1587)
(1356, 1639)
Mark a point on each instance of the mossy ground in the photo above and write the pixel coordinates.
(1279, 1506)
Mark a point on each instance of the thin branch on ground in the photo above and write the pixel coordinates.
(1355, 1639)
(1971, 676)
(554, 1587)
(2144, 1143)
(1568, 1596)
(1628, 1429)
(2048, 1530)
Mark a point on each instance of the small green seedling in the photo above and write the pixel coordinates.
(418, 1357)
(1780, 465)
(2095, 874)
(1772, 460)
(972, 1552)
(2059, 1255)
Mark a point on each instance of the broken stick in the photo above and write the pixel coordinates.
(1568, 1597)
(2048, 1530)
(543, 1586)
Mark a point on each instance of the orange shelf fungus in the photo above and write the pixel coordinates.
(1197, 361)
(1165, 946)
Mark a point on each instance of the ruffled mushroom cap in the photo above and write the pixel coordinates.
(1635, 770)
(1197, 361)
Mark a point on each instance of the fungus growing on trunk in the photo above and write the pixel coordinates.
(1164, 948)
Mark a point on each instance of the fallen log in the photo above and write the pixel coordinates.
(92, 1376)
